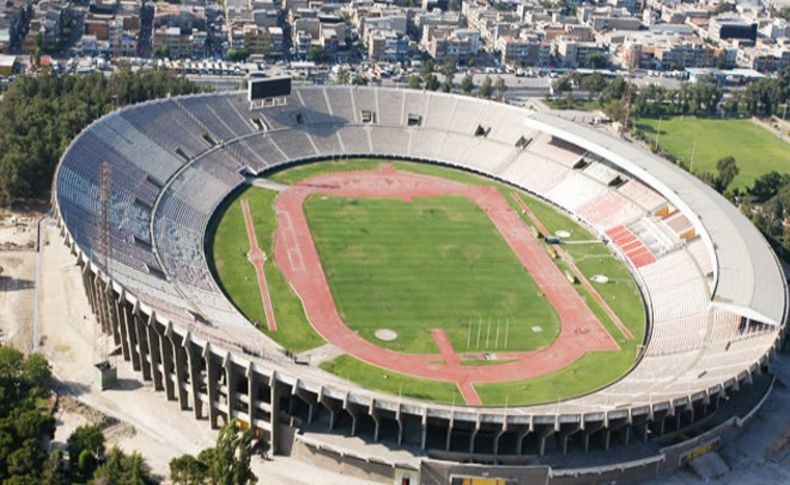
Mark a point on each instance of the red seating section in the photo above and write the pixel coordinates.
(632, 246)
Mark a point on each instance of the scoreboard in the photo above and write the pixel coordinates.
(267, 88)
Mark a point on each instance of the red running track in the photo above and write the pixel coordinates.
(257, 258)
(297, 256)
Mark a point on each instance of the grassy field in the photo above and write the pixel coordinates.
(412, 266)
(756, 151)
(236, 275)
(430, 263)
(387, 381)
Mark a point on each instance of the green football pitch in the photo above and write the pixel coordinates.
(701, 142)
(427, 263)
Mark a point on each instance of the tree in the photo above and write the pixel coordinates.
(593, 84)
(432, 83)
(615, 90)
(614, 110)
(486, 89)
(40, 115)
(467, 84)
(500, 87)
(316, 54)
(122, 469)
(188, 470)
(227, 463)
(426, 69)
(597, 60)
(85, 447)
(447, 84)
(768, 185)
(342, 77)
(449, 65)
(562, 85)
(53, 472)
(360, 80)
(726, 171)
(414, 82)
(237, 55)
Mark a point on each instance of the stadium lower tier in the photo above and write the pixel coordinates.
(714, 292)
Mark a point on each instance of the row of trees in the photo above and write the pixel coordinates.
(765, 97)
(25, 416)
(427, 79)
(40, 115)
(767, 204)
(27, 426)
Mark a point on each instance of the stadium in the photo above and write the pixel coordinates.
(267, 264)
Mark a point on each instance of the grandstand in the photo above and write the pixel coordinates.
(715, 294)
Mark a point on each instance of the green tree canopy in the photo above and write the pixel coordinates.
(486, 88)
(467, 84)
(227, 463)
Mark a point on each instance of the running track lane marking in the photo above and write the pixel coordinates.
(583, 279)
(257, 257)
(580, 330)
(445, 347)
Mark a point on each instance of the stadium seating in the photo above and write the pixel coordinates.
(167, 180)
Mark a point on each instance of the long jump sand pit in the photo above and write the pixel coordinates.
(296, 253)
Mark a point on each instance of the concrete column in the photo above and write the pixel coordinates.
(349, 408)
(308, 398)
(332, 406)
(450, 425)
(166, 351)
(142, 345)
(116, 316)
(132, 328)
(520, 441)
(123, 309)
(424, 424)
(87, 283)
(195, 378)
(231, 379)
(474, 435)
(276, 390)
(181, 367)
(153, 351)
(374, 413)
(565, 435)
(589, 430)
(252, 394)
(499, 436)
(212, 385)
(399, 420)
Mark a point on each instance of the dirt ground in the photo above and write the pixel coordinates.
(17, 279)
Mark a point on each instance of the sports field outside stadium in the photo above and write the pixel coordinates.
(417, 265)
(700, 142)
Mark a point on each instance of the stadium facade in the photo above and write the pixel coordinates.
(714, 292)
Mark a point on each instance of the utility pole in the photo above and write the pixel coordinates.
(629, 59)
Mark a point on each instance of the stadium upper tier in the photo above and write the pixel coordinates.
(716, 295)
